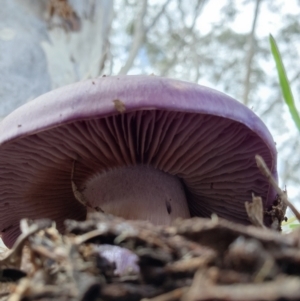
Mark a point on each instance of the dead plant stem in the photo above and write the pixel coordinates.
(261, 164)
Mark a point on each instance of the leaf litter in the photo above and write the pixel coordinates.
(197, 259)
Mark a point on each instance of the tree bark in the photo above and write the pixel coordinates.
(75, 56)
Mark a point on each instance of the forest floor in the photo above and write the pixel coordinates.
(108, 258)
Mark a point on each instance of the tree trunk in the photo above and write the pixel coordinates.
(78, 55)
(250, 55)
(138, 38)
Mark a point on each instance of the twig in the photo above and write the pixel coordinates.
(87, 236)
(13, 258)
(190, 265)
(157, 17)
(282, 194)
(170, 296)
(42, 250)
(265, 270)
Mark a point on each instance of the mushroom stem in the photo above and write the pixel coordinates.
(137, 193)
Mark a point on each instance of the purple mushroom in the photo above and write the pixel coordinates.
(140, 147)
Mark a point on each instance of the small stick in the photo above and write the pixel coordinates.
(282, 195)
(170, 296)
(13, 257)
(87, 236)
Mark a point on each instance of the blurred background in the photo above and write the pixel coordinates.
(223, 44)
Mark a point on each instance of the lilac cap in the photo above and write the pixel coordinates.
(205, 138)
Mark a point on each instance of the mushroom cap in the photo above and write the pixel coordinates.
(206, 138)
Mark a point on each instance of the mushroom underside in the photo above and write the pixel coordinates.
(212, 156)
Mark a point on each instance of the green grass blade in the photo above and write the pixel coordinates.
(284, 83)
(293, 226)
